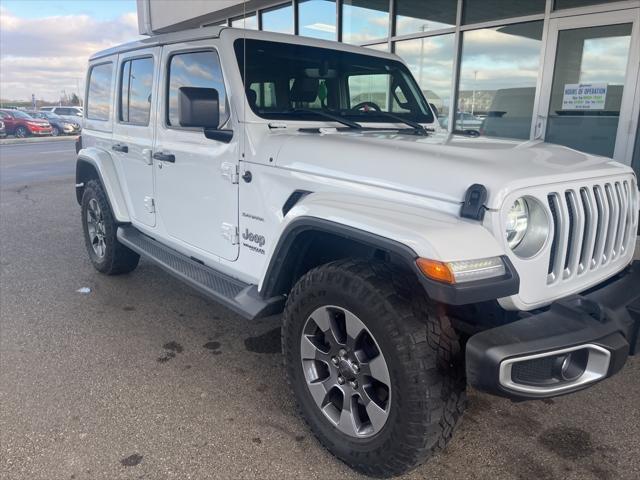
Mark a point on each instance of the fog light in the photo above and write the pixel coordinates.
(553, 372)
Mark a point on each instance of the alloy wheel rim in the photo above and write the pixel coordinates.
(95, 228)
(345, 371)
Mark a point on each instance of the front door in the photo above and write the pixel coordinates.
(589, 84)
(196, 179)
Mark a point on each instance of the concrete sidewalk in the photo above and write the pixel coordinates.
(16, 141)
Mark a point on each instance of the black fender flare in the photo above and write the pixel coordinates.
(277, 280)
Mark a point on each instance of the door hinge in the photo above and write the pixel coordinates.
(149, 204)
(231, 233)
(146, 154)
(230, 171)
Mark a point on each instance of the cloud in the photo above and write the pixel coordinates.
(46, 55)
(322, 27)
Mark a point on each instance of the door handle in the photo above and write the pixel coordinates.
(165, 157)
(118, 147)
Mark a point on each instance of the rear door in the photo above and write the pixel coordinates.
(98, 114)
(196, 178)
(133, 130)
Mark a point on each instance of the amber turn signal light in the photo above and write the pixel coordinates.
(436, 270)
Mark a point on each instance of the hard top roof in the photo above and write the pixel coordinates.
(214, 32)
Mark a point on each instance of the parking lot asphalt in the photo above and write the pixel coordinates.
(143, 379)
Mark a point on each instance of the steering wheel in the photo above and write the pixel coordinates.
(366, 106)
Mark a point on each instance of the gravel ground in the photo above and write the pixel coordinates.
(142, 378)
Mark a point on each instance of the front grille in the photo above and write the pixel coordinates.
(593, 227)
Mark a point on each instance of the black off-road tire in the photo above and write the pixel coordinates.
(422, 350)
(117, 258)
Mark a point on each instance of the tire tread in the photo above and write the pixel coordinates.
(429, 351)
(118, 259)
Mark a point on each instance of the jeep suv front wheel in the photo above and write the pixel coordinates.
(377, 373)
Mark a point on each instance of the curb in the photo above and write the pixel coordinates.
(19, 141)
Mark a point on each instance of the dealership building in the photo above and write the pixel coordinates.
(566, 71)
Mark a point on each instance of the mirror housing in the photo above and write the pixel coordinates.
(198, 107)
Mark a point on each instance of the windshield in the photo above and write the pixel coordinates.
(288, 81)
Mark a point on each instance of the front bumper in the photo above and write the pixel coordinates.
(71, 130)
(532, 357)
(41, 131)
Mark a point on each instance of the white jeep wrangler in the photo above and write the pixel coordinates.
(284, 174)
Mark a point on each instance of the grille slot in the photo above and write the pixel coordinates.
(592, 227)
(554, 242)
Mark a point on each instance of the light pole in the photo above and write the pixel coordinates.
(473, 95)
(423, 27)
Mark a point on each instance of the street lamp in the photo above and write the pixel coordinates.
(473, 95)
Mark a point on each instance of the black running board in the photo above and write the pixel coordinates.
(242, 298)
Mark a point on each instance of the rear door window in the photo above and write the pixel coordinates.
(136, 85)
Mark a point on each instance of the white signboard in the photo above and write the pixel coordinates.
(584, 96)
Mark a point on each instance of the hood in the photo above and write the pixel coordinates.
(440, 166)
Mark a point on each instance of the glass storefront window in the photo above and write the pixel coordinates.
(559, 4)
(317, 19)
(431, 63)
(383, 47)
(413, 17)
(250, 22)
(279, 19)
(591, 58)
(498, 76)
(364, 20)
(476, 11)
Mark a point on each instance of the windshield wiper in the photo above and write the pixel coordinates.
(335, 118)
(417, 128)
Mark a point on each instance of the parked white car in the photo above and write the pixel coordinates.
(70, 114)
(466, 123)
(406, 263)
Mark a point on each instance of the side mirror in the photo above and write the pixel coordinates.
(198, 107)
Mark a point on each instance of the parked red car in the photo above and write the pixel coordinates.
(22, 125)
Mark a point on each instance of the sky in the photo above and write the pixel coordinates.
(45, 44)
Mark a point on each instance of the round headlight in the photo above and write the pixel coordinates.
(527, 227)
(517, 222)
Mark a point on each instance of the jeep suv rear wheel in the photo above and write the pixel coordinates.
(377, 372)
(107, 254)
